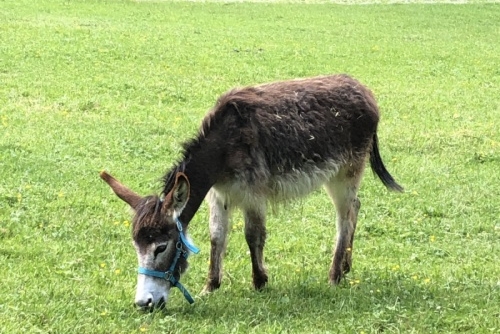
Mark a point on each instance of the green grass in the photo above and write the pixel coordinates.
(118, 85)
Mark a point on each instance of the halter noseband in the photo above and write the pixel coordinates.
(169, 274)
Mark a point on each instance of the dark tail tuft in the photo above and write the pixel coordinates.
(379, 168)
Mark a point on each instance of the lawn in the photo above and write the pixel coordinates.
(119, 85)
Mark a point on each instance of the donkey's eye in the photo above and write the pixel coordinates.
(160, 249)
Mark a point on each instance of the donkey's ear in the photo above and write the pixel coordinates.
(179, 193)
(127, 195)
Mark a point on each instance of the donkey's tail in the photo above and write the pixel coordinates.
(379, 168)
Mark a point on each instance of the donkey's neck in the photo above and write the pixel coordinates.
(203, 166)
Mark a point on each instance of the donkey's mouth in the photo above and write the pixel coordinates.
(150, 307)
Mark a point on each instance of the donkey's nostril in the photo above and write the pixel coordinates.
(144, 303)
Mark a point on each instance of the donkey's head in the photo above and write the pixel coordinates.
(161, 245)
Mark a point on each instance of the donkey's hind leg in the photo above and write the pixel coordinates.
(219, 226)
(347, 264)
(343, 189)
(255, 235)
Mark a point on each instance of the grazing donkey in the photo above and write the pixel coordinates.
(258, 145)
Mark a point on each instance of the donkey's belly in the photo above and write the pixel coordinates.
(241, 192)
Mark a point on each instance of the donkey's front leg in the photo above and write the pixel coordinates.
(255, 235)
(218, 225)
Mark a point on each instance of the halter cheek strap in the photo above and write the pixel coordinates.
(169, 274)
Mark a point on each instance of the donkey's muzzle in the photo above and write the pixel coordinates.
(149, 305)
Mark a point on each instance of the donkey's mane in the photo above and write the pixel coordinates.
(188, 147)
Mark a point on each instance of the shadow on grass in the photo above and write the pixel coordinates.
(298, 301)
(377, 304)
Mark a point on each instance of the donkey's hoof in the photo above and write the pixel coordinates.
(335, 276)
(260, 283)
(210, 286)
(204, 292)
(347, 268)
(335, 281)
(347, 264)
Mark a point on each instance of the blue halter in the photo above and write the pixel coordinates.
(169, 274)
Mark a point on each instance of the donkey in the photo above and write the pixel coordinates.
(257, 146)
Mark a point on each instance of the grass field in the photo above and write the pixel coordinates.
(118, 85)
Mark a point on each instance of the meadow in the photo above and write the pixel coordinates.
(119, 85)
